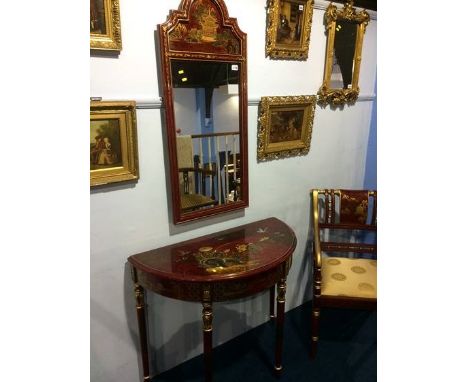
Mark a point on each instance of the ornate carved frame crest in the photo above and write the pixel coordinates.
(285, 50)
(112, 40)
(332, 15)
(288, 145)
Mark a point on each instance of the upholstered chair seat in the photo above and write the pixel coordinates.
(349, 277)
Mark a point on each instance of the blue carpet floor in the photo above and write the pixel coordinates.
(347, 351)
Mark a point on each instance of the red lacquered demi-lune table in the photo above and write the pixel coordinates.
(226, 265)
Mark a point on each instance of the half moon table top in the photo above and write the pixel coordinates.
(236, 253)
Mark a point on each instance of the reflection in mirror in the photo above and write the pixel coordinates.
(206, 108)
(343, 55)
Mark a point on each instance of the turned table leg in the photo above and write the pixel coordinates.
(315, 330)
(272, 302)
(141, 315)
(207, 339)
(280, 301)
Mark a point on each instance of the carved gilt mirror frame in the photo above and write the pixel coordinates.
(288, 29)
(345, 28)
(203, 62)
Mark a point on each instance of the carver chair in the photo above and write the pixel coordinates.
(196, 180)
(201, 193)
(344, 252)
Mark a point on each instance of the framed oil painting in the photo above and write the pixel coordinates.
(113, 142)
(345, 34)
(285, 126)
(288, 29)
(104, 25)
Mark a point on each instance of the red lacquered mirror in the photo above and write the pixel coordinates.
(203, 64)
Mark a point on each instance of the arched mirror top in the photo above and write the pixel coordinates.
(203, 62)
(203, 29)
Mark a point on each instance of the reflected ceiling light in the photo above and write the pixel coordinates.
(181, 71)
(184, 79)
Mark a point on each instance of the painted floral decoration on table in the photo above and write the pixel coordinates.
(233, 259)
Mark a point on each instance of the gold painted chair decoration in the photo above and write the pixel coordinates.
(344, 252)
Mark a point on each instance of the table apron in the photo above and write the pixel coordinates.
(220, 290)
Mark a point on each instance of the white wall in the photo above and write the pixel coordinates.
(187, 116)
(225, 111)
(127, 219)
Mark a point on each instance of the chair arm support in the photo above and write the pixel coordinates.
(316, 246)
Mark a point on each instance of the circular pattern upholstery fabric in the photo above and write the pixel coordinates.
(349, 277)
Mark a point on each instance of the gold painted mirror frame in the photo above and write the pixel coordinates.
(336, 20)
(288, 29)
(198, 44)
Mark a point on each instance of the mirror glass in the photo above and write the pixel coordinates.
(343, 54)
(206, 110)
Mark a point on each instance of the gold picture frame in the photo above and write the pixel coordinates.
(285, 126)
(343, 56)
(104, 24)
(113, 142)
(288, 29)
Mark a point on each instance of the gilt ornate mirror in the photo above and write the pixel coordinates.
(203, 61)
(345, 28)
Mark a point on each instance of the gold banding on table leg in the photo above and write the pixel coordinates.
(281, 298)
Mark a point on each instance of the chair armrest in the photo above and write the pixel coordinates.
(316, 246)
